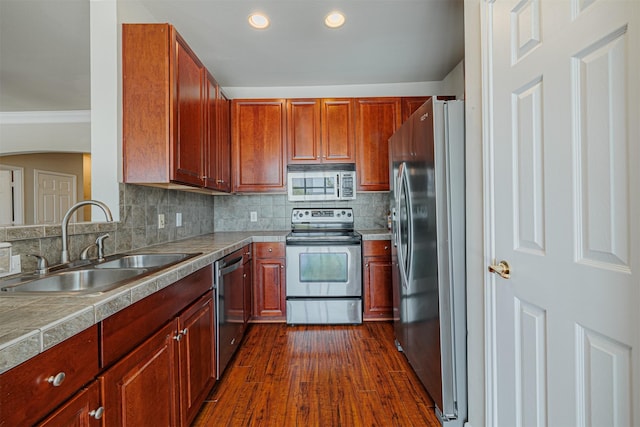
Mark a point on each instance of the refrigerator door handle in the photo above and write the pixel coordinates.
(404, 257)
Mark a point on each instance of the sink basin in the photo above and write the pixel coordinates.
(88, 280)
(84, 277)
(144, 261)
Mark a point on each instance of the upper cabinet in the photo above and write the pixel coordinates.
(376, 120)
(258, 147)
(320, 131)
(170, 110)
(217, 140)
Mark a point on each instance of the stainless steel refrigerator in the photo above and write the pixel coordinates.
(428, 226)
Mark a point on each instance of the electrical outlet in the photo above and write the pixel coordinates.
(161, 221)
(254, 216)
(179, 219)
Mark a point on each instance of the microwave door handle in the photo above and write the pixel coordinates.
(338, 185)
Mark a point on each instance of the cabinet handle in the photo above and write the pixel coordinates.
(184, 331)
(97, 413)
(177, 337)
(220, 181)
(56, 380)
(386, 248)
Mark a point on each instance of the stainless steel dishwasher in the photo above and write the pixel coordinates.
(229, 297)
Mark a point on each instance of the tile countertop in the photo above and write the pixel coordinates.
(30, 325)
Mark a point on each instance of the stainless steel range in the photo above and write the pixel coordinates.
(324, 267)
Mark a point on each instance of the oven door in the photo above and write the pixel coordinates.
(326, 270)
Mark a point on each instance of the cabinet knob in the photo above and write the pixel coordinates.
(177, 337)
(56, 380)
(244, 275)
(184, 331)
(270, 249)
(386, 248)
(97, 413)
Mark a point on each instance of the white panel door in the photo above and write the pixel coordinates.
(563, 141)
(55, 194)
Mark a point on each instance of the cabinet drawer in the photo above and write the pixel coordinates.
(376, 247)
(26, 395)
(268, 250)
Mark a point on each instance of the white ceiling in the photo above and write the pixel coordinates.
(44, 44)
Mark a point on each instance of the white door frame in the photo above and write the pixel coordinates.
(18, 193)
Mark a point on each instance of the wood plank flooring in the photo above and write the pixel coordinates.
(318, 376)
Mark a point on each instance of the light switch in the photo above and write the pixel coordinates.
(254, 216)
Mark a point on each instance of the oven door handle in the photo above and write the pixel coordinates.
(232, 265)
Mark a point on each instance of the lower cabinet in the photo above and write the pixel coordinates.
(140, 389)
(378, 297)
(269, 303)
(165, 379)
(83, 409)
(196, 355)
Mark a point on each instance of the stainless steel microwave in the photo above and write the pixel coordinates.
(321, 182)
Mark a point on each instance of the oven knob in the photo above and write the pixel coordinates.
(349, 214)
(306, 213)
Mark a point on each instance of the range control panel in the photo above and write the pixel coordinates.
(322, 216)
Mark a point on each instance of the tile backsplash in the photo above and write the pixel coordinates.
(233, 213)
(137, 228)
(201, 214)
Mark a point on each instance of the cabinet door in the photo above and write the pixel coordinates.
(303, 130)
(82, 410)
(258, 145)
(212, 133)
(188, 149)
(223, 144)
(378, 298)
(338, 143)
(269, 291)
(140, 390)
(376, 120)
(411, 104)
(378, 294)
(197, 357)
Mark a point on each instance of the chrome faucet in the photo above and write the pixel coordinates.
(65, 224)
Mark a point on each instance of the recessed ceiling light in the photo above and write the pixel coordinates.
(259, 21)
(334, 19)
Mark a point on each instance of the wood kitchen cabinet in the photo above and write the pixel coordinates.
(258, 146)
(159, 354)
(378, 297)
(269, 302)
(36, 387)
(217, 156)
(376, 120)
(84, 409)
(175, 120)
(140, 389)
(320, 131)
(196, 354)
(164, 380)
(411, 104)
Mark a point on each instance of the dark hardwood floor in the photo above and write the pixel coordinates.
(318, 376)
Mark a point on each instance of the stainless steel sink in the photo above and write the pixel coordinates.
(86, 280)
(144, 260)
(85, 277)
